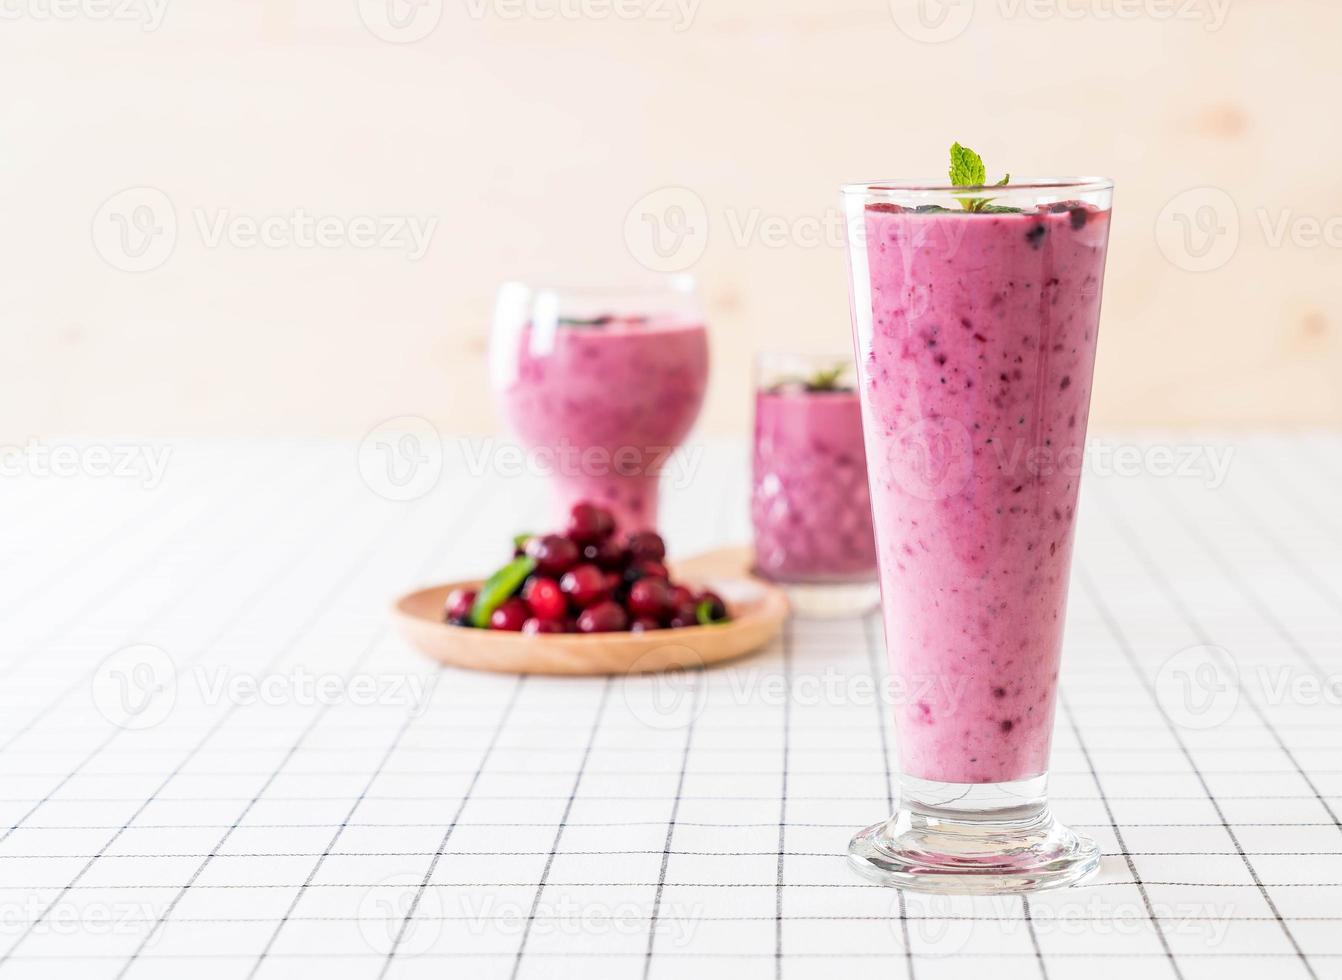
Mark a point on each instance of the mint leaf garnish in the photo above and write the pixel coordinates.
(967, 170)
(826, 379)
(498, 588)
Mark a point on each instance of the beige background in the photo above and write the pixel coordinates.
(529, 139)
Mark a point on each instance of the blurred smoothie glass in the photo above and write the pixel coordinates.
(602, 385)
(809, 501)
(975, 329)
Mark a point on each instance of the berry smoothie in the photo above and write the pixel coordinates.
(810, 503)
(608, 398)
(976, 368)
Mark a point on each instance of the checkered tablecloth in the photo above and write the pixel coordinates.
(218, 760)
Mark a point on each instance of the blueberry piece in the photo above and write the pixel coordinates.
(1035, 236)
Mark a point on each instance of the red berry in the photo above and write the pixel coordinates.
(608, 554)
(648, 568)
(644, 624)
(510, 616)
(590, 524)
(717, 609)
(554, 554)
(613, 582)
(650, 597)
(459, 603)
(545, 599)
(534, 626)
(584, 585)
(604, 617)
(681, 596)
(684, 614)
(646, 544)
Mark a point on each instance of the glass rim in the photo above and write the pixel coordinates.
(904, 185)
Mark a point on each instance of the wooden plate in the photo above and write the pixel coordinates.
(757, 610)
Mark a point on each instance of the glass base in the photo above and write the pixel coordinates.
(973, 839)
(831, 600)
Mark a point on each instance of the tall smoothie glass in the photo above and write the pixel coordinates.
(602, 385)
(975, 331)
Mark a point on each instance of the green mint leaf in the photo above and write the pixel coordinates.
(826, 379)
(967, 168)
(499, 588)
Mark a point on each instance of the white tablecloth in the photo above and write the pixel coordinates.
(217, 759)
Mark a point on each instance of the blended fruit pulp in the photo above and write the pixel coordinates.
(976, 381)
(610, 400)
(810, 504)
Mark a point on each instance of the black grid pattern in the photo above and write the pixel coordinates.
(491, 826)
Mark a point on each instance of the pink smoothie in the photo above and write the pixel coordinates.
(610, 400)
(976, 382)
(810, 504)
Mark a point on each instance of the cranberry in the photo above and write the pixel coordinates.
(684, 614)
(590, 524)
(717, 609)
(681, 596)
(584, 585)
(682, 619)
(650, 597)
(554, 554)
(648, 568)
(646, 544)
(608, 554)
(545, 599)
(510, 616)
(604, 617)
(613, 582)
(534, 626)
(644, 624)
(459, 603)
